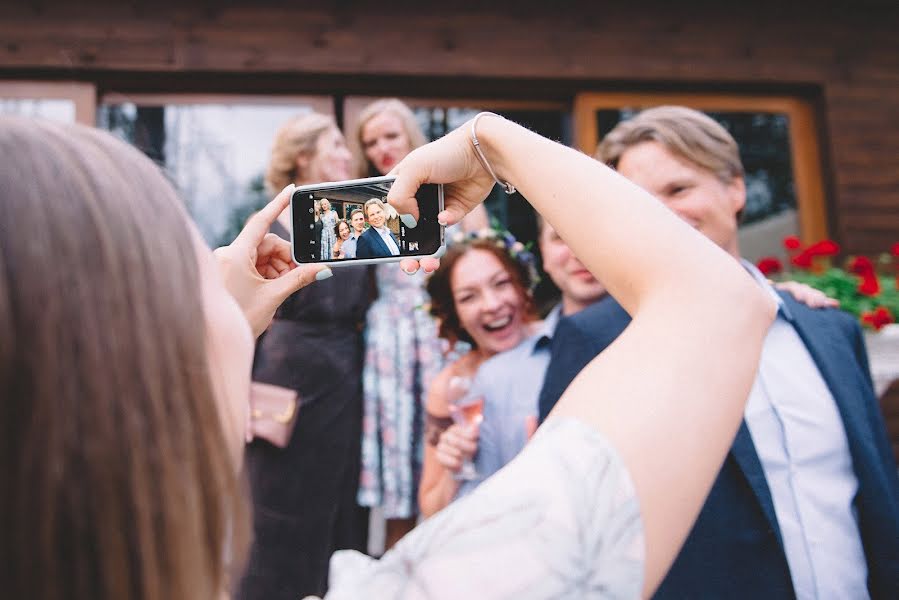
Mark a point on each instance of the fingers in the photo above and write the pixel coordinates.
(808, 295)
(451, 215)
(409, 266)
(456, 445)
(429, 264)
(258, 225)
(274, 257)
(295, 279)
(530, 426)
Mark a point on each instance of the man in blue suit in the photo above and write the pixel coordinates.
(377, 241)
(807, 501)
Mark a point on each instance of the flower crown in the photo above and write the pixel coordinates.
(505, 240)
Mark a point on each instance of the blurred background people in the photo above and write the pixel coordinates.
(304, 494)
(403, 353)
(480, 295)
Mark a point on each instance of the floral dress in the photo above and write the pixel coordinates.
(560, 521)
(329, 220)
(403, 355)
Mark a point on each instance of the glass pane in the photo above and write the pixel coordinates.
(764, 139)
(57, 109)
(215, 154)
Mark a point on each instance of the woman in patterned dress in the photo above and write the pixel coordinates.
(403, 354)
(328, 219)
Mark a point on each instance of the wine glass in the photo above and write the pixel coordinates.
(465, 411)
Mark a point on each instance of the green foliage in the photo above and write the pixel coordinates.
(844, 286)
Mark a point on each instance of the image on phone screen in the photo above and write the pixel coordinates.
(352, 221)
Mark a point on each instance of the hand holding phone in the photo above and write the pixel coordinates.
(350, 222)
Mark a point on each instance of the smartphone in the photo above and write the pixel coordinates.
(364, 230)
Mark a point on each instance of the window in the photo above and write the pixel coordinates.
(214, 148)
(778, 147)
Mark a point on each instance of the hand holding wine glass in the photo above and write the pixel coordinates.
(467, 413)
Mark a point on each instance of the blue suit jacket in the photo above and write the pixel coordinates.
(370, 244)
(734, 549)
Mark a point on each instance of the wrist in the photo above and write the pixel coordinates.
(487, 133)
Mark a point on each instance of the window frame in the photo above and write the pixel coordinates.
(83, 95)
(805, 149)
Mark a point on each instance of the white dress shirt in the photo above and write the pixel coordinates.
(388, 239)
(800, 440)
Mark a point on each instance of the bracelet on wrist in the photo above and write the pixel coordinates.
(507, 187)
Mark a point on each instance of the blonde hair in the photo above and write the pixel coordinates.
(373, 202)
(406, 117)
(686, 133)
(295, 137)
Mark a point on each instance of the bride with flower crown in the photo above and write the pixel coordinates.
(481, 295)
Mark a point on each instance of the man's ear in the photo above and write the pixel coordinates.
(736, 193)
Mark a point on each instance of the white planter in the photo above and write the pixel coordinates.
(883, 354)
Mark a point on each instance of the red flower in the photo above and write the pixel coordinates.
(802, 260)
(869, 285)
(769, 266)
(861, 265)
(878, 317)
(791, 242)
(824, 248)
(895, 249)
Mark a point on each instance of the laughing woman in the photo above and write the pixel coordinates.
(480, 295)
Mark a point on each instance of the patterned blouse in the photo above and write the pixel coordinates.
(559, 521)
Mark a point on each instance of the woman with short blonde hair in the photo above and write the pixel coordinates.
(294, 139)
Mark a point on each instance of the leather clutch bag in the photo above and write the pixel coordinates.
(273, 413)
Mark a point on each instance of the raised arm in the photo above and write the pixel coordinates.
(674, 385)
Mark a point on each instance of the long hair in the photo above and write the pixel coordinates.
(443, 305)
(406, 117)
(115, 482)
(295, 137)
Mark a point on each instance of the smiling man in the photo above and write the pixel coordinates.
(357, 226)
(807, 502)
(378, 240)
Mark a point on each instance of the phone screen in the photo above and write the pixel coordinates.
(352, 221)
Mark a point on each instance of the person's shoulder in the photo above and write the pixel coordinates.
(501, 362)
(822, 317)
(598, 314)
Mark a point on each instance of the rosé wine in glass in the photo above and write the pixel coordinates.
(465, 411)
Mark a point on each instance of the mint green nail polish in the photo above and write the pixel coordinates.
(323, 274)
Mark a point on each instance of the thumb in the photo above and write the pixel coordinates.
(452, 214)
(409, 178)
(295, 279)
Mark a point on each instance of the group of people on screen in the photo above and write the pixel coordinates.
(371, 231)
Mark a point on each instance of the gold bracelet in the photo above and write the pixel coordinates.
(507, 187)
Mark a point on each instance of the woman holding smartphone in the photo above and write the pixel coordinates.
(305, 494)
